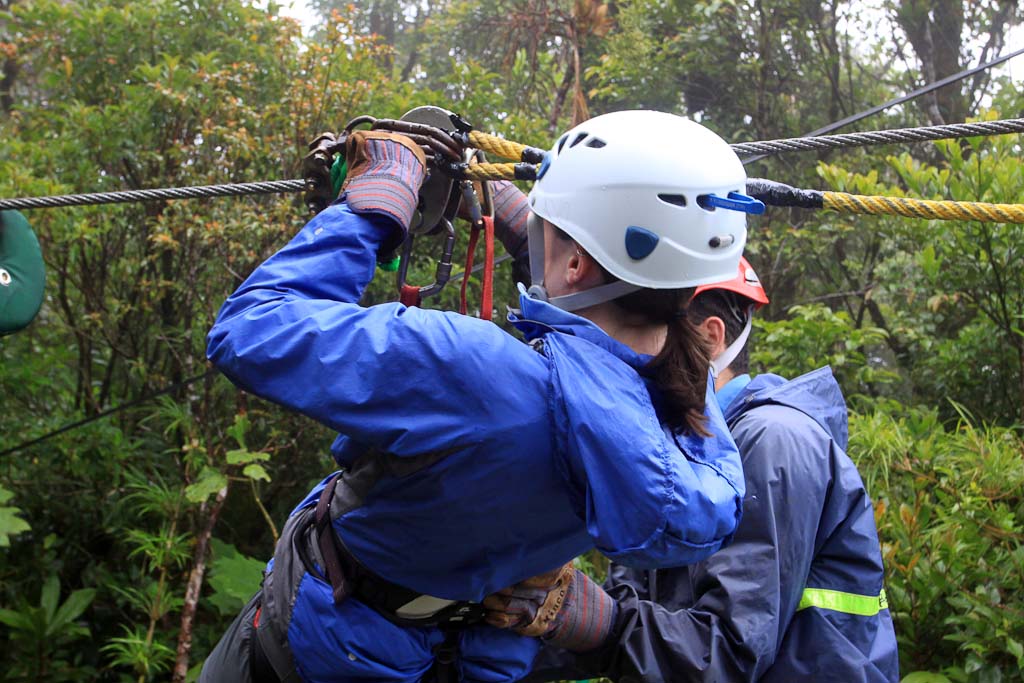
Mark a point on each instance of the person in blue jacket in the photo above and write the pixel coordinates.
(798, 595)
(470, 460)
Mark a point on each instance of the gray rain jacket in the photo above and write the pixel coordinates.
(798, 596)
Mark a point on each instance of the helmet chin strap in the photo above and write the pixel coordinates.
(726, 358)
(567, 302)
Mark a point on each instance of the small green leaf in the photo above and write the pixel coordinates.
(72, 608)
(50, 596)
(1015, 648)
(11, 525)
(240, 456)
(209, 482)
(256, 472)
(924, 677)
(238, 430)
(16, 620)
(233, 577)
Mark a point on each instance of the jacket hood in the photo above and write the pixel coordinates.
(816, 394)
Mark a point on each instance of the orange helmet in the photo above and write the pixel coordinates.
(746, 284)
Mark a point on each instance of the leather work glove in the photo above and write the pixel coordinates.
(385, 171)
(564, 607)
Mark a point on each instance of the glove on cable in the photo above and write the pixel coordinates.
(576, 614)
(385, 171)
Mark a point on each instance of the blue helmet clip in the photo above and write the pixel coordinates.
(736, 201)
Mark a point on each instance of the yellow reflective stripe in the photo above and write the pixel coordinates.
(848, 603)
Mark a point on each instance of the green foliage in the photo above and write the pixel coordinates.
(135, 650)
(817, 336)
(234, 578)
(41, 635)
(10, 523)
(950, 512)
(179, 93)
(949, 294)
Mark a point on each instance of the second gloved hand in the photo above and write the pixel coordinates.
(564, 607)
(385, 171)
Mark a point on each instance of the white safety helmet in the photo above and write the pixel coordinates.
(655, 198)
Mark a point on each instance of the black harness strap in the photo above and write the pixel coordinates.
(445, 654)
(327, 540)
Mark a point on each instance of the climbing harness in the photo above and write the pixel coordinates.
(403, 606)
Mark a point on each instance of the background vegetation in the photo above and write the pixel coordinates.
(128, 544)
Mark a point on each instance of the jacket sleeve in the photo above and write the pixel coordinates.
(737, 605)
(405, 380)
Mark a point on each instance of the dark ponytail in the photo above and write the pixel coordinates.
(680, 369)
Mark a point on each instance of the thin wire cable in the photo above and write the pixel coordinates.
(166, 390)
(107, 413)
(509, 171)
(882, 137)
(120, 197)
(924, 90)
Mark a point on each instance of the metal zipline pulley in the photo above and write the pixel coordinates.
(439, 198)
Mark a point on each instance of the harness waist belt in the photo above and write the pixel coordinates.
(398, 604)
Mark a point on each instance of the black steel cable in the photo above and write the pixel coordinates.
(924, 90)
(107, 413)
(881, 137)
(166, 390)
(766, 147)
(194, 192)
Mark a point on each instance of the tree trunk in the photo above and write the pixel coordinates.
(195, 585)
(933, 29)
(10, 73)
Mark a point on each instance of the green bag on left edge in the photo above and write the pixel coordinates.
(22, 274)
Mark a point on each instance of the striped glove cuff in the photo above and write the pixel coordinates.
(585, 621)
(385, 174)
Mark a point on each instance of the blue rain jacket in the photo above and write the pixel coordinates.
(796, 597)
(548, 453)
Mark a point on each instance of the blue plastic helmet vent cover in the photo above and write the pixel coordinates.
(640, 242)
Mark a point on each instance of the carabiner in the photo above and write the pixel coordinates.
(442, 273)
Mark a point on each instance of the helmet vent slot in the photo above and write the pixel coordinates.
(674, 199)
(580, 137)
(561, 141)
(596, 143)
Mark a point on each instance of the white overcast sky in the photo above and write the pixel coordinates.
(1014, 68)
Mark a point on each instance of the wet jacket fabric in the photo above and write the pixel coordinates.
(798, 596)
(531, 457)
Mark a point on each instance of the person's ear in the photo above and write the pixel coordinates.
(581, 267)
(713, 329)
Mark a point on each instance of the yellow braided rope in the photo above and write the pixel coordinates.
(491, 144)
(922, 208)
(489, 171)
